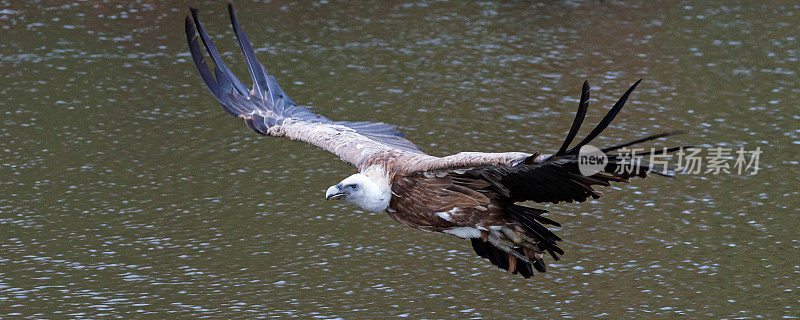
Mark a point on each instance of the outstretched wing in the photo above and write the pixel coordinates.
(267, 110)
(517, 177)
(557, 178)
(552, 178)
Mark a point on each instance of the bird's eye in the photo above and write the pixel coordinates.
(354, 186)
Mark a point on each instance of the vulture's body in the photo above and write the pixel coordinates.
(471, 195)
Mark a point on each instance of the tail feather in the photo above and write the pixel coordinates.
(539, 264)
(500, 258)
(530, 219)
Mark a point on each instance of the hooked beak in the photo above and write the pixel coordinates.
(335, 192)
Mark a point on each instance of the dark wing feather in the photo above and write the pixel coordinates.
(557, 178)
(607, 119)
(257, 71)
(212, 51)
(554, 178)
(579, 116)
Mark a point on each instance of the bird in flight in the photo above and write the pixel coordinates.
(471, 195)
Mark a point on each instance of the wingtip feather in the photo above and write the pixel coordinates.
(580, 115)
(609, 117)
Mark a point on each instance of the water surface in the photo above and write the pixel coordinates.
(127, 191)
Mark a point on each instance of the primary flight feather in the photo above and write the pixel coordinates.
(472, 195)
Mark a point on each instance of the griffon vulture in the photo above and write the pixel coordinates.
(471, 195)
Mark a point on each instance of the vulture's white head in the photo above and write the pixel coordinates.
(370, 190)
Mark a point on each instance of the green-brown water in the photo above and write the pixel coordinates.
(127, 192)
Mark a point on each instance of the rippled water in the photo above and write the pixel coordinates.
(127, 191)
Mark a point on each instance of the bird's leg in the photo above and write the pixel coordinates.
(528, 244)
(512, 235)
(503, 244)
(535, 252)
(536, 255)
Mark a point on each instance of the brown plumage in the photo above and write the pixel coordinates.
(472, 195)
